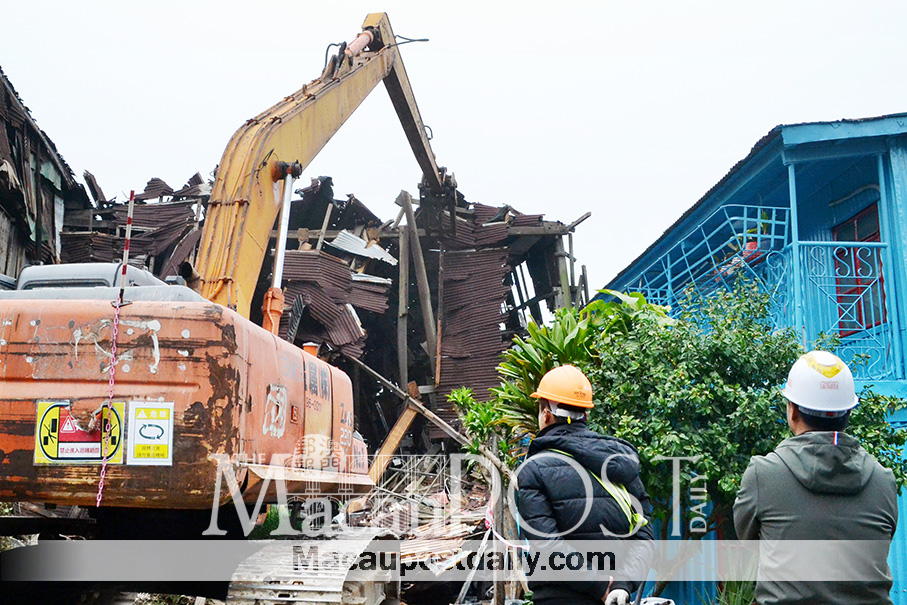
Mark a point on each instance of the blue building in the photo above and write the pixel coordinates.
(818, 212)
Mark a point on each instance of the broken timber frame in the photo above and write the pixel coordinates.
(413, 406)
(403, 310)
(428, 319)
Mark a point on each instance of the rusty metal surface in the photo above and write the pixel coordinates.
(342, 423)
(327, 288)
(370, 293)
(231, 383)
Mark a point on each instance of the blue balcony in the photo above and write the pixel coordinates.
(841, 287)
(844, 292)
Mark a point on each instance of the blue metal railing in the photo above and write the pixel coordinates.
(844, 293)
(734, 240)
(842, 285)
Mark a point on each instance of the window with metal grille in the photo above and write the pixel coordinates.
(858, 273)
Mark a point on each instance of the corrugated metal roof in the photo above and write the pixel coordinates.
(348, 242)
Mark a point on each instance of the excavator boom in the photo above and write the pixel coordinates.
(246, 198)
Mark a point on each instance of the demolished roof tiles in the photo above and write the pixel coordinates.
(155, 189)
(471, 338)
(330, 293)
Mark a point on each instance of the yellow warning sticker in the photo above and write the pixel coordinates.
(61, 439)
(150, 433)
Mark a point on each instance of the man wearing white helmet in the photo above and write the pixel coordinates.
(819, 484)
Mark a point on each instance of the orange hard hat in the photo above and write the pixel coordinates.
(567, 385)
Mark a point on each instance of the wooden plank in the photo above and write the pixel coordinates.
(403, 309)
(428, 319)
(432, 417)
(312, 235)
(440, 316)
(391, 443)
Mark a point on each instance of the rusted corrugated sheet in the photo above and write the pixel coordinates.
(36, 185)
(194, 187)
(471, 342)
(80, 247)
(370, 293)
(94, 187)
(329, 272)
(158, 228)
(526, 220)
(98, 247)
(329, 292)
(152, 215)
(156, 188)
(182, 251)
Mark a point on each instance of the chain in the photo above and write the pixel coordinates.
(107, 425)
(108, 405)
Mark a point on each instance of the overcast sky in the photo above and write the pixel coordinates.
(629, 109)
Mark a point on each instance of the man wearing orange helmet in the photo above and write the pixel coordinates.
(819, 484)
(556, 508)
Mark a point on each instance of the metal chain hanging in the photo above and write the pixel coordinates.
(107, 410)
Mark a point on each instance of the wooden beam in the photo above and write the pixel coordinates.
(432, 417)
(564, 298)
(546, 228)
(428, 319)
(573, 225)
(324, 226)
(391, 443)
(314, 234)
(403, 309)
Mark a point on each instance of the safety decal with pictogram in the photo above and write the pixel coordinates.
(150, 433)
(61, 439)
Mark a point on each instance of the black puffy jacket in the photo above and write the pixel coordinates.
(551, 498)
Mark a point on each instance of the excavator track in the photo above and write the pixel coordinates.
(314, 572)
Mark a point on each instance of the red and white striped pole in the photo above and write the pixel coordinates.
(108, 405)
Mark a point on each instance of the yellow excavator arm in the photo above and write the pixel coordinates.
(247, 193)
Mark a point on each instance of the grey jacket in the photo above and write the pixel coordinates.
(820, 486)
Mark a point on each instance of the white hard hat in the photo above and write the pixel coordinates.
(819, 381)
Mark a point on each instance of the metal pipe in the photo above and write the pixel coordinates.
(795, 253)
(891, 281)
(281, 252)
(358, 45)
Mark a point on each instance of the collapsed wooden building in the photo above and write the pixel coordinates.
(425, 301)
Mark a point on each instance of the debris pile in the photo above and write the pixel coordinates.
(418, 501)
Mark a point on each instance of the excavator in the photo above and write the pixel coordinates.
(136, 409)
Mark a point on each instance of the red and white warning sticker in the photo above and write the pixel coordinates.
(59, 439)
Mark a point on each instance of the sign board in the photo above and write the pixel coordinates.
(60, 438)
(150, 433)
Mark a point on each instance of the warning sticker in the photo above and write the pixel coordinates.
(150, 433)
(60, 439)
